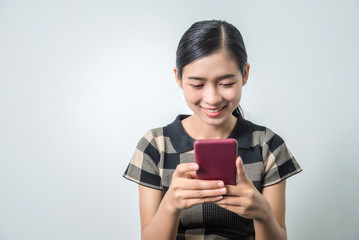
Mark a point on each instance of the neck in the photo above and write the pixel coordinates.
(197, 130)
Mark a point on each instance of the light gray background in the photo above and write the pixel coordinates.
(82, 81)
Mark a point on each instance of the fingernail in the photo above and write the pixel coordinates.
(220, 184)
(222, 190)
(219, 197)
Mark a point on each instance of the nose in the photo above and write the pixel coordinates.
(211, 96)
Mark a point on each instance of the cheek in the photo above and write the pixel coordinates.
(234, 95)
(191, 96)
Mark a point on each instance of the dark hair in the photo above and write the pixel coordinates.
(206, 37)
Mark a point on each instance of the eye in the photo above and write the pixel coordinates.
(226, 84)
(197, 85)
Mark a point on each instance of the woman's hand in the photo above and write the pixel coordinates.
(186, 191)
(244, 199)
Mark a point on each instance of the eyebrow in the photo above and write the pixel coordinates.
(219, 78)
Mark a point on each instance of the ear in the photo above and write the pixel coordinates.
(245, 78)
(178, 79)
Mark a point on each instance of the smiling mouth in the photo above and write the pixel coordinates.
(214, 110)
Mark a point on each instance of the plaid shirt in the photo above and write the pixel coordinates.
(266, 159)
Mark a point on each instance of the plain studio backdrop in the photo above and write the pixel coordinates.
(82, 81)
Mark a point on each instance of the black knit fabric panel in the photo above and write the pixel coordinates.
(215, 217)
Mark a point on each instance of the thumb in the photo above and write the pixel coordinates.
(241, 174)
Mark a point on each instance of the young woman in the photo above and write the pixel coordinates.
(211, 68)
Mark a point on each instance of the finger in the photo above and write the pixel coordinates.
(233, 201)
(183, 168)
(240, 190)
(195, 184)
(207, 193)
(195, 201)
(239, 210)
(236, 190)
(241, 174)
(191, 175)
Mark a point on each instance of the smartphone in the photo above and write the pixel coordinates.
(216, 159)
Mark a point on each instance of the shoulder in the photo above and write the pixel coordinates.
(278, 161)
(152, 141)
(164, 131)
(268, 140)
(162, 138)
(154, 133)
(262, 135)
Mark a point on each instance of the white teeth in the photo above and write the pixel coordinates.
(214, 110)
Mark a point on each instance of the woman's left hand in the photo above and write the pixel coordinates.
(244, 198)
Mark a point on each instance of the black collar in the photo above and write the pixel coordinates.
(182, 142)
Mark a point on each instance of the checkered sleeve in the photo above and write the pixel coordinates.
(143, 167)
(279, 163)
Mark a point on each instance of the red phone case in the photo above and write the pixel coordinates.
(216, 159)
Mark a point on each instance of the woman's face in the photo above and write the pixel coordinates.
(212, 87)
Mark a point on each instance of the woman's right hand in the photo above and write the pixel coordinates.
(186, 191)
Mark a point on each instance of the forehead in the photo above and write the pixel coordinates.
(218, 63)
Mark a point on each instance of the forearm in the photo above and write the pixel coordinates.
(164, 225)
(269, 229)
